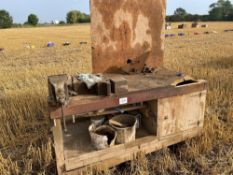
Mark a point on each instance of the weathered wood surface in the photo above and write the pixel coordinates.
(58, 145)
(181, 113)
(121, 153)
(125, 30)
(79, 106)
(77, 141)
(149, 119)
(141, 88)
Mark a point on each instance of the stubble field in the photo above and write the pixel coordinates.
(25, 62)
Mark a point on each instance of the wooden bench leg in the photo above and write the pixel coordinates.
(58, 145)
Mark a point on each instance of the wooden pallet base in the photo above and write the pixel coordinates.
(128, 152)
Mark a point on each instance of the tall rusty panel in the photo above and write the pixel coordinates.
(127, 35)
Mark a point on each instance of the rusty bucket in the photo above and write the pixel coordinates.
(98, 121)
(102, 137)
(125, 126)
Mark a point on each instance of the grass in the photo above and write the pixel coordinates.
(25, 143)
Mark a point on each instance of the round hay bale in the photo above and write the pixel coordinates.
(181, 34)
(182, 26)
(204, 25)
(172, 35)
(195, 25)
(82, 42)
(66, 43)
(168, 26)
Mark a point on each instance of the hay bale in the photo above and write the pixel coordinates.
(195, 25)
(82, 42)
(30, 46)
(204, 26)
(67, 43)
(182, 26)
(228, 30)
(181, 34)
(168, 26)
(169, 35)
(207, 32)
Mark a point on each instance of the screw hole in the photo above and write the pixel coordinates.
(129, 61)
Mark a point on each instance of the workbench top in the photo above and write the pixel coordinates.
(141, 87)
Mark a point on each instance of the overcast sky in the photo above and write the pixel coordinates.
(48, 10)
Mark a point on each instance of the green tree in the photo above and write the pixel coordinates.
(75, 16)
(33, 20)
(72, 17)
(6, 20)
(62, 22)
(84, 18)
(180, 14)
(230, 17)
(221, 10)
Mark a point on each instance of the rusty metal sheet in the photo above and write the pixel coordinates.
(127, 35)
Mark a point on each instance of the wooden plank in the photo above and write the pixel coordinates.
(77, 141)
(127, 29)
(58, 145)
(145, 145)
(115, 151)
(77, 106)
(149, 119)
(181, 113)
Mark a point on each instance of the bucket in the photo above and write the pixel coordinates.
(102, 137)
(125, 126)
(98, 121)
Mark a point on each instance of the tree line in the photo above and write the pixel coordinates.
(222, 10)
(72, 17)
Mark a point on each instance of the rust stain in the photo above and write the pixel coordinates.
(125, 30)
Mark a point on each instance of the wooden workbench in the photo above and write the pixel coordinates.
(142, 87)
(177, 106)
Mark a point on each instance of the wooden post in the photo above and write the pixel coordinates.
(58, 144)
(127, 35)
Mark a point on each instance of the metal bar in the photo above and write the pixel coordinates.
(111, 111)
